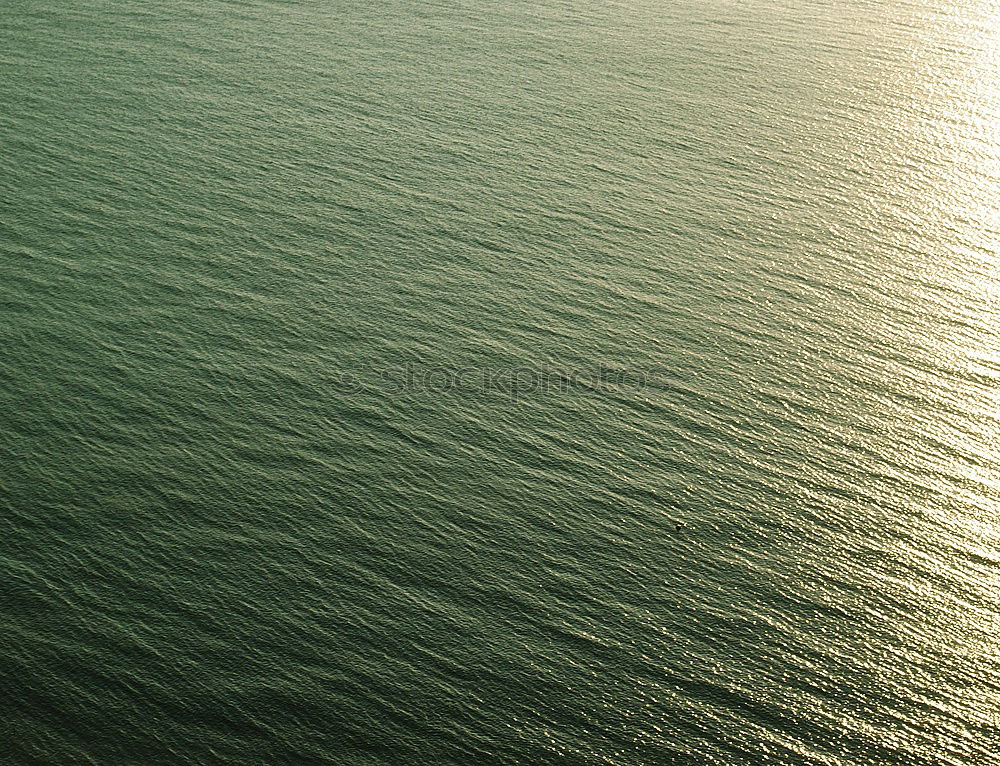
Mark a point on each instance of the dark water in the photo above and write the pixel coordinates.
(358, 361)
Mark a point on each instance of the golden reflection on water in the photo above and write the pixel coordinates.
(969, 201)
(944, 203)
(968, 135)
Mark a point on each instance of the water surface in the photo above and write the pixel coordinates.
(359, 361)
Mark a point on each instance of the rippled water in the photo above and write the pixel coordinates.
(359, 361)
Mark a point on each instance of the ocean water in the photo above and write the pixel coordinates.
(360, 360)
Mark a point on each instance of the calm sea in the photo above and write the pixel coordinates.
(534, 382)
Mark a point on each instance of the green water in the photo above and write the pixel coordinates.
(359, 362)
